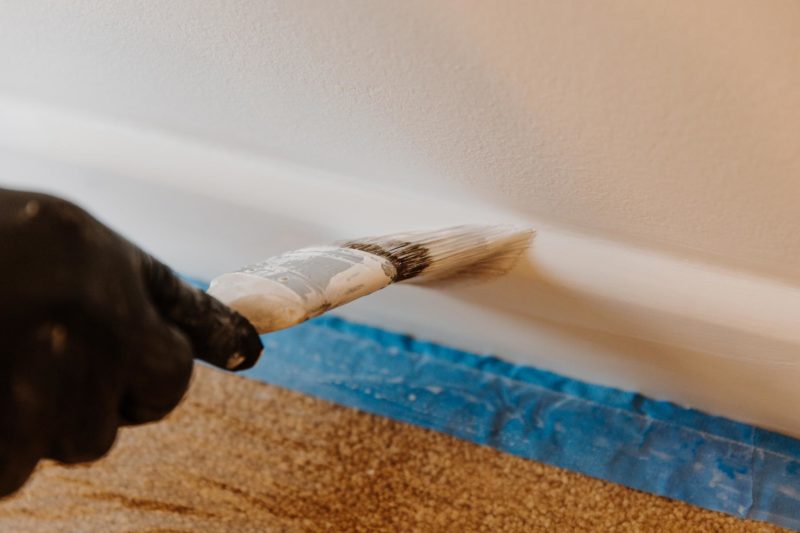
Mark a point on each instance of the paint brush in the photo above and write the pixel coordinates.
(290, 288)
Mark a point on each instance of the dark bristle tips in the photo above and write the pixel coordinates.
(409, 259)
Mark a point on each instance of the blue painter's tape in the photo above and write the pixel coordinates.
(618, 436)
(653, 446)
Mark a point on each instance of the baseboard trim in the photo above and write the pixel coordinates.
(672, 327)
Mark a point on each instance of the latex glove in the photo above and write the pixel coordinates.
(94, 334)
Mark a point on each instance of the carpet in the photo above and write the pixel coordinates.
(240, 455)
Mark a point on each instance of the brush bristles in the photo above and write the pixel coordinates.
(462, 252)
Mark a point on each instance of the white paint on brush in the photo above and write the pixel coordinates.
(291, 288)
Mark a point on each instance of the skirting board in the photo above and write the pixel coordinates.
(715, 339)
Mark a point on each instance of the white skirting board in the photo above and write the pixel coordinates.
(716, 339)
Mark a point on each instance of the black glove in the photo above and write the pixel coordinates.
(94, 334)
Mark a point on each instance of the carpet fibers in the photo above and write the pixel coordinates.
(239, 455)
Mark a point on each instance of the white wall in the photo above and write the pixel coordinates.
(672, 123)
(656, 145)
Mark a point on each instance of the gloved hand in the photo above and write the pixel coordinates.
(94, 334)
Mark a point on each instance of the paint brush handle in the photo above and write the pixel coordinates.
(293, 287)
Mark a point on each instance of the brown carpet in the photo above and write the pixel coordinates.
(243, 456)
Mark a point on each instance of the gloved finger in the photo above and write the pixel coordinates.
(23, 429)
(159, 373)
(16, 466)
(21, 438)
(86, 416)
(85, 438)
(219, 335)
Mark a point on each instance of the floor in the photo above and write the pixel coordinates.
(239, 455)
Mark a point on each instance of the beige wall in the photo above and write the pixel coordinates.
(657, 123)
(216, 133)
